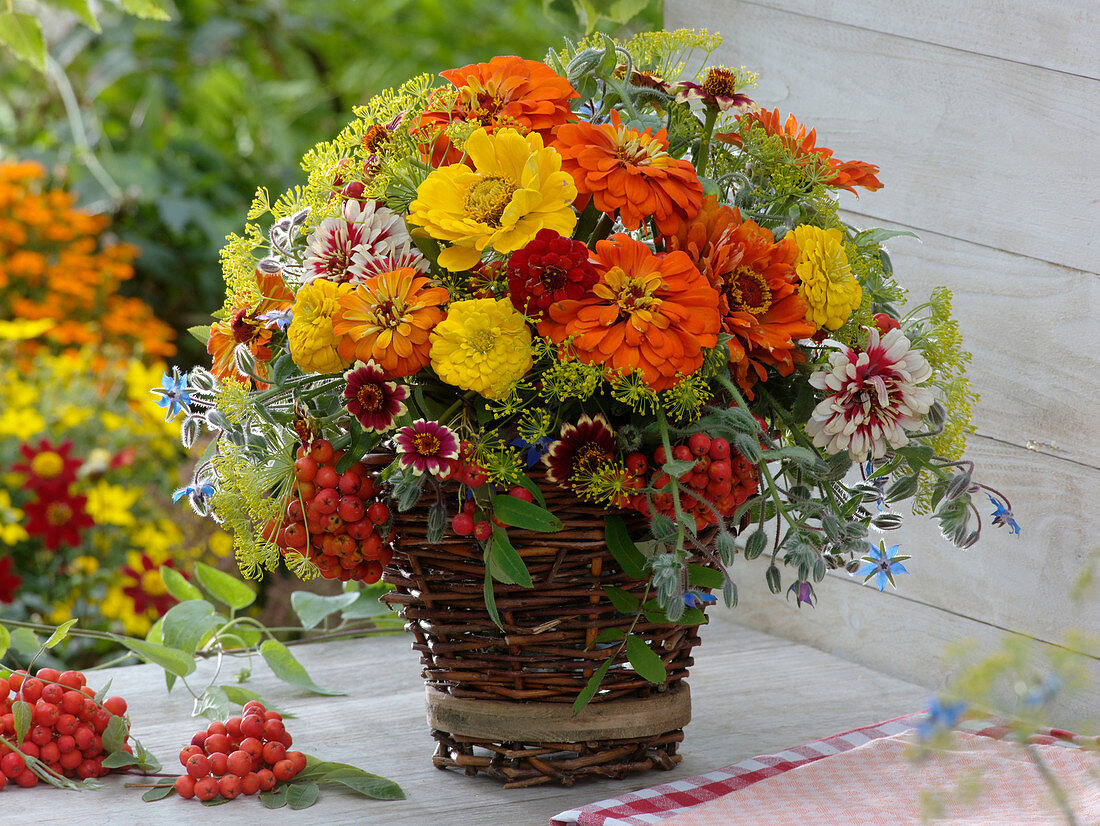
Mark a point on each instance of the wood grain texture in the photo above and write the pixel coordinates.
(752, 694)
(1025, 322)
(970, 146)
(1061, 36)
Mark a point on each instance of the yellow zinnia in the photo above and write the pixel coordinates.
(516, 188)
(312, 341)
(828, 287)
(484, 345)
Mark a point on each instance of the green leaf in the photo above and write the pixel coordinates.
(624, 601)
(489, 595)
(60, 633)
(506, 563)
(157, 792)
(177, 584)
(24, 642)
(705, 577)
(664, 529)
(610, 635)
(5, 640)
(592, 686)
(146, 9)
(644, 661)
(313, 608)
(526, 483)
(274, 799)
(364, 783)
(21, 713)
(23, 35)
(622, 547)
(524, 515)
(81, 9)
(878, 235)
(239, 695)
(302, 795)
(114, 736)
(367, 604)
(119, 759)
(678, 467)
(288, 669)
(187, 624)
(213, 703)
(172, 660)
(903, 488)
(224, 587)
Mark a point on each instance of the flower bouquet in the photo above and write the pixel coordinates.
(548, 345)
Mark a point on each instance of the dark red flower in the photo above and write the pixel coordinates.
(586, 446)
(48, 467)
(9, 581)
(134, 586)
(58, 518)
(550, 268)
(375, 402)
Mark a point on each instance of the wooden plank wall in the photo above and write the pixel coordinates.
(983, 118)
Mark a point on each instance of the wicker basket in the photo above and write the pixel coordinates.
(500, 702)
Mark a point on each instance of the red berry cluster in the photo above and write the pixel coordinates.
(333, 518)
(66, 726)
(466, 522)
(243, 755)
(721, 477)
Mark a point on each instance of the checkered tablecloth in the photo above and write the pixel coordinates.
(658, 803)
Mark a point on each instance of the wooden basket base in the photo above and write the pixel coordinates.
(528, 744)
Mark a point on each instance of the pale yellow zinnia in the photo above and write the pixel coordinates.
(484, 345)
(516, 188)
(313, 345)
(828, 287)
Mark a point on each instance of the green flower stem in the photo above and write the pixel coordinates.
(468, 396)
(603, 228)
(702, 157)
(662, 423)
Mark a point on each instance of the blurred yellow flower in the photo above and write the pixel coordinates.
(221, 543)
(110, 504)
(85, 564)
(116, 605)
(22, 329)
(70, 416)
(157, 538)
(11, 521)
(22, 424)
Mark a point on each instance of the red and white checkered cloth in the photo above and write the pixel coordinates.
(648, 806)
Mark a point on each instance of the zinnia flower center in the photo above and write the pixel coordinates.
(426, 444)
(748, 290)
(720, 83)
(375, 138)
(482, 341)
(589, 456)
(389, 313)
(639, 149)
(488, 198)
(633, 295)
(58, 513)
(370, 396)
(47, 465)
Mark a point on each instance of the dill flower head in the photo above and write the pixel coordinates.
(313, 345)
(828, 287)
(484, 345)
(516, 188)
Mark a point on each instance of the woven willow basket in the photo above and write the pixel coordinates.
(501, 701)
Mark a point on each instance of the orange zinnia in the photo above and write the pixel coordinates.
(507, 91)
(387, 318)
(630, 171)
(760, 305)
(650, 313)
(243, 325)
(844, 174)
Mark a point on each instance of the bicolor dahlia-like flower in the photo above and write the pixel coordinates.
(310, 336)
(516, 188)
(842, 174)
(58, 518)
(719, 89)
(828, 286)
(342, 248)
(484, 345)
(581, 448)
(426, 447)
(550, 268)
(630, 172)
(48, 467)
(874, 397)
(244, 325)
(649, 313)
(9, 580)
(760, 305)
(507, 91)
(387, 319)
(375, 402)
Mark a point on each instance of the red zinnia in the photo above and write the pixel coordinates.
(586, 446)
(48, 467)
(137, 582)
(550, 268)
(58, 518)
(9, 582)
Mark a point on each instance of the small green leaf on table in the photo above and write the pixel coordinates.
(591, 687)
(240, 695)
(289, 670)
(525, 515)
(114, 736)
(302, 795)
(344, 774)
(644, 661)
(177, 584)
(224, 587)
(119, 760)
(313, 608)
(274, 799)
(157, 792)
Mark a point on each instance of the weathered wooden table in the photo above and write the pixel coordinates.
(752, 693)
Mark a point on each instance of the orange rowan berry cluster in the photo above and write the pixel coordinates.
(54, 265)
(66, 726)
(243, 755)
(333, 518)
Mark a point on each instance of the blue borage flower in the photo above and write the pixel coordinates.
(804, 593)
(280, 319)
(882, 564)
(940, 716)
(198, 494)
(694, 599)
(1002, 515)
(173, 394)
(534, 449)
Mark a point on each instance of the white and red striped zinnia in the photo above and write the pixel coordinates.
(874, 397)
(365, 239)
